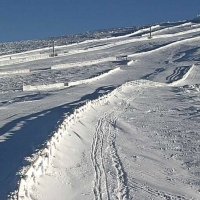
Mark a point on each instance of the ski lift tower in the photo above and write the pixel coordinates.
(53, 46)
(53, 54)
(150, 35)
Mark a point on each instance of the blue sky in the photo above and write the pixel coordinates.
(37, 19)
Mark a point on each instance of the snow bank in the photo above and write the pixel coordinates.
(15, 72)
(43, 87)
(40, 165)
(94, 78)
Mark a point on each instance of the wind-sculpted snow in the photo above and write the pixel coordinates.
(179, 75)
(156, 72)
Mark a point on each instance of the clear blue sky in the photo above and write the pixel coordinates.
(37, 19)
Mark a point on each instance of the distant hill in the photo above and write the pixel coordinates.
(196, 19)
(21, 46)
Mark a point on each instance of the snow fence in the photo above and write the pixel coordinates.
(43, 87)
(43, 158)
(22, 59)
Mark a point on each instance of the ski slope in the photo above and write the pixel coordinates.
(84, 125)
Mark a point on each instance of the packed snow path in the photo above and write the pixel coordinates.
(140, 144)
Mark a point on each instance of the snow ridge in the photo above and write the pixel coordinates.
(40, 165)
(42, 159)
(165, 46)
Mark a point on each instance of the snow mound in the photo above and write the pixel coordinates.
(94, 78)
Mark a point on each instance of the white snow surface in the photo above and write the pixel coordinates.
(84, 125)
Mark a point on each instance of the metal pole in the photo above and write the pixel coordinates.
(150, 32)
(53, 46)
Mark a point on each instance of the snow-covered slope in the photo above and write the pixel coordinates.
(196, 19)
(27, 45)
(85, 125)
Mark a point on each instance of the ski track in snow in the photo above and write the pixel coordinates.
(101, 181)
(105, 137)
